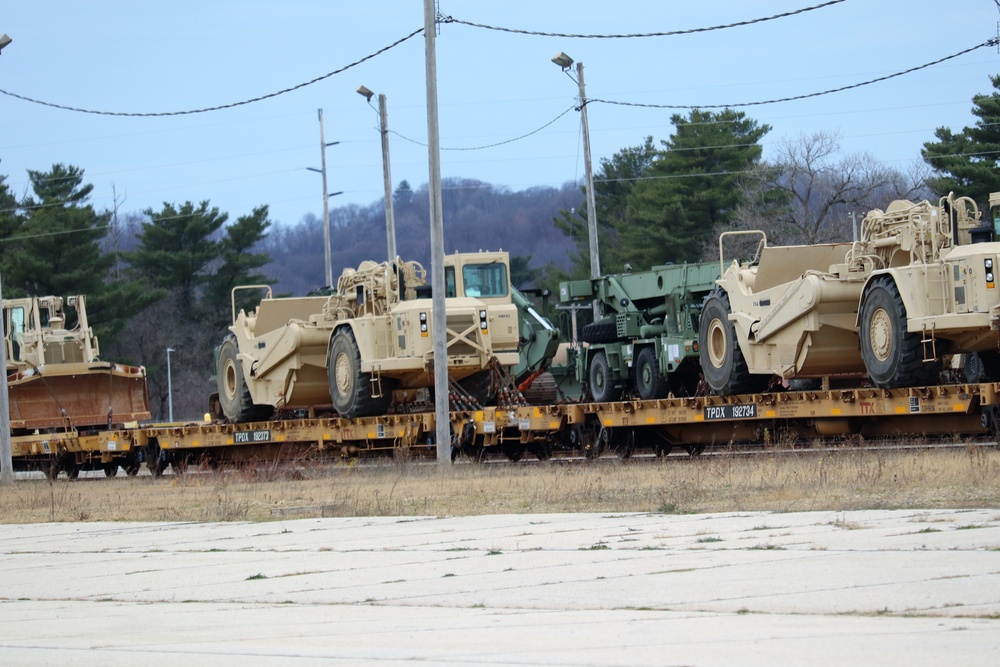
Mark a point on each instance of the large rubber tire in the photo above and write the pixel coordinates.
(722, 361)
(990, 362)
(234, 395)
(600, 332)
(892, 356)
(350, 389)
(649, 382)
(602, 383)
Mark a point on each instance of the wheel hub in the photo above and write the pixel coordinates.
(880, 334)
(716, 341)
(342, 368)
(230, 379)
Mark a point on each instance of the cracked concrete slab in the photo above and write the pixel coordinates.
(913, 587)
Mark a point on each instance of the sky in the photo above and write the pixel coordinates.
(494, 87)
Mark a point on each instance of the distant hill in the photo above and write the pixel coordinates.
(477, 216)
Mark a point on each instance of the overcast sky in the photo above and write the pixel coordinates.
(154, 56)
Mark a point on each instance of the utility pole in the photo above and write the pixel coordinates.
(383, 128)
(326, 202)
(6, 456)
(595, 259)
(390, 218)
(565, 62)
(439, 334)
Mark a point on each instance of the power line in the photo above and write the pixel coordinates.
(221, 106)
(672, 33)
(499, 143)
(990, 42)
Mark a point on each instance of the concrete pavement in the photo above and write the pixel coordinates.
(820, 588)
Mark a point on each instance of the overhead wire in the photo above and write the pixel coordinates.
(220, 106)
(672, 33)
(993, 41)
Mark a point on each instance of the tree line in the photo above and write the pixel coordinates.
(163, 277)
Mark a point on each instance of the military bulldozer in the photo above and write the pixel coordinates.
(919, 284)
(646, 342)
(55, 378)
(372, 339)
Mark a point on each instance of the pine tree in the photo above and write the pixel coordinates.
(968, 162)
(54, 245)
(690, 189)
(176, 248)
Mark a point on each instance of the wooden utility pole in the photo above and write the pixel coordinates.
(595, 260)
(438, 319)
(390, 219)
(6, 458)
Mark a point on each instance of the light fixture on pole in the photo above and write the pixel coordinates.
(383, 127)
(4, 41)
(565, 62)
(326, 202)
(170, 388)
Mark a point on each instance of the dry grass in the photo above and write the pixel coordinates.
(840, 480)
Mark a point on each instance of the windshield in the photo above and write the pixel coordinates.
(485, 280)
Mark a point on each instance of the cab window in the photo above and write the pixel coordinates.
(485, 280)
(449, 281)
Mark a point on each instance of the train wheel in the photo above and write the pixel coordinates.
(350, 389)
(602, 383)
(722, 361)
(542, 450)
(662, 450)
(514, 452)
(234, 395)
(154, 460)
(893, 357)
(110, 469)
(52, 468)
(649, 383)
(132, 468)
(623, 441)
(695, 450)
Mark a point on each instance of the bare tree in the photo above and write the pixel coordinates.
(807, 193)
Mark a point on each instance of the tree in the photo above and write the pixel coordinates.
(805, 195)
(614, 182)
(54, 246)
(238, 265)
(175, 249)
(968, 162)
(690, 189)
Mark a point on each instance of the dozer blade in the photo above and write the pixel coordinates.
(77, 395)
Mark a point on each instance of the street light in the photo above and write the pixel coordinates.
(383, 127)
(4, 41)
(565, 62)
(170, 388)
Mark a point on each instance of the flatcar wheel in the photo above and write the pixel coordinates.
(514, 452)
(695, 450)
(542, 451)
(110, 469)
(662, 450)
